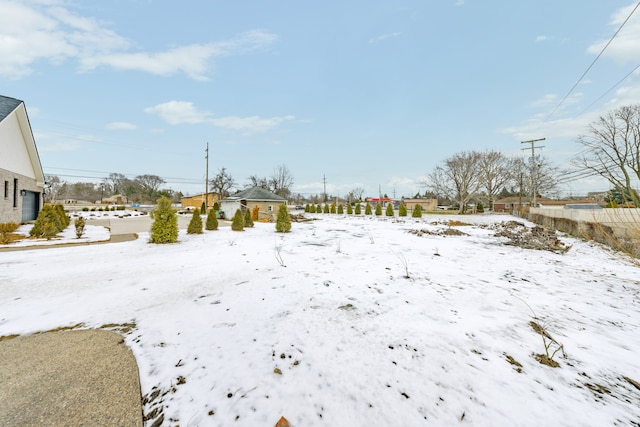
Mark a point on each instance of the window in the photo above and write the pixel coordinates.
(15, 192)
(6, 189)
(270, 208)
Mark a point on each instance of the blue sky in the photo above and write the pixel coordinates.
(370, 94)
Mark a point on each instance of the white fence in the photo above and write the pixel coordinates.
(624, 222)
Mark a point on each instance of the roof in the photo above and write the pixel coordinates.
(7, 105)
(256, 193)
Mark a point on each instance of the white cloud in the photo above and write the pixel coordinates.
(383, 37)
(36, 31)
(626, 46)
(179, 112)
(542, 38)
(121, 126)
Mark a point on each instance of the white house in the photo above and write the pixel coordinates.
(21, 176)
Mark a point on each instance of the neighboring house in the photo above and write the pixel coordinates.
(427, 205)
(197, 200)
(248, 199)
(515, 203)
(21, 176)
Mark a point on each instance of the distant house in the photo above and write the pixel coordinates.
(266, 201)
(21, 176)
(428, 205)
(197, 200)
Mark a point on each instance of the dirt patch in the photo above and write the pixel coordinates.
(538, 238)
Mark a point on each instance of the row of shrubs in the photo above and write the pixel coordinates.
(104, 209)
(368, 210)
(165, 221)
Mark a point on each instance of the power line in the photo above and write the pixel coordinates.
(608, 90)
(590, 66)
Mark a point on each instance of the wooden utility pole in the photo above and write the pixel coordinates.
(534, 179)
(206, 181)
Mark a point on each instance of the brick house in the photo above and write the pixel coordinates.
(21, 177)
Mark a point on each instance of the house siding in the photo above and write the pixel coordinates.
(9, 212)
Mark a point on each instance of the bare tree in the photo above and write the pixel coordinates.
(222, 183)
(495, 170)
(281, 181)
(536, 174)
(149, 186)
(612, 149)
(357, 193)
(115, 182)
(257, 181)
(458, 178)
(52, 188)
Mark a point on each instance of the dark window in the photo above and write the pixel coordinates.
(6, 189)
(15, 192)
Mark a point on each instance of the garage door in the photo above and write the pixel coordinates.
(30, 206)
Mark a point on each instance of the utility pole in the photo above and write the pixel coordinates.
(534, 181)
(206, 182)
(324, 180)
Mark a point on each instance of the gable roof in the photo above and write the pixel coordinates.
(7, 107)
(256, 193)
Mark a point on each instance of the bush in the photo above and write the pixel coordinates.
(79, 223)
(255, 213)
(306, 208)
(195, 225)
(203, 209)
(402, 210)
(358, 210)
(333, 208)
(50, 221)
(480, 208)
(216, 206)
(326, 208)
(389, 211)
(349, 209)
(340, 209)
(248, 220)
(283, 222)
(85, 209)
(165, 223)
(120, 208)
(367, 209)
(238, 221)
(417, 212)
(378, 209)
(212, 220)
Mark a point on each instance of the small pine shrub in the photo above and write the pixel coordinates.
(333, 208)
(417, 212)
(79, 224)
(389, 211)
(248, 220)
(255, 213)
(49, 222)
(195, 225)
(212, 220)
(378, 209)
(612, 204)
(402, 210)
(367, 209)
(349, 209)
(283, 222)
(85, 209)
(203, 209)
(165, 223)
(238, 221)
(358, 210)
(64, 218)
(326, 208)
(340, 209)
(216, 206)
(120, 208)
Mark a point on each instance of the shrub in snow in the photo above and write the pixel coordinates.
(358, 209)
(49, 222)
(378, 209)
(402, 210)
(417, 212)
(333, 208)
(255, 213)
(238, 221)
(248, 220)
(79, 223)
(349, 209)
(367, 209)
(480, 208)
(283, 222)
(165, 222)
(195, 225)
(340, 209)
(389, 211)
(212, 220)
(203, 209)
(306, 208)
(6, 231)
(216, 206)
(326, 208)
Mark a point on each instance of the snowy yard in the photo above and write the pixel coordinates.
(322, 326)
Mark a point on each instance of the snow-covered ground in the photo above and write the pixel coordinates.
(322, 326)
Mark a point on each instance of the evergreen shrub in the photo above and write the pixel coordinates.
(165, 223)
(195, 225)
(212, 220)
(238, 221)
(283, 221)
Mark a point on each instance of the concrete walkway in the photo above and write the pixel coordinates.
(69, 378)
